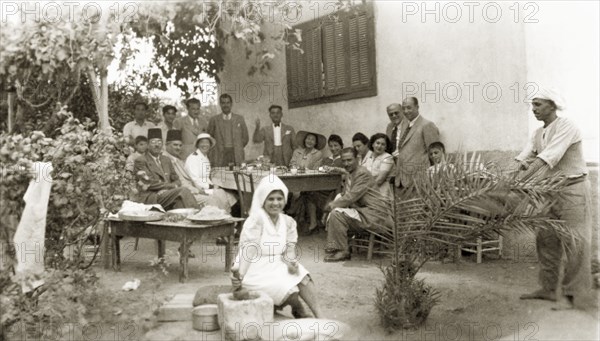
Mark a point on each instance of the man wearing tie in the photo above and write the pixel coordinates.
(231, 133)
(278, 138)
(158, 181)
(416, 134)
(394, 112)
(191, 126)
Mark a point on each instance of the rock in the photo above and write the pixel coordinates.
(208, 294)
(245, 319)
(179, 308)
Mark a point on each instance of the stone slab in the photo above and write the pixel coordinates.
(179, 308)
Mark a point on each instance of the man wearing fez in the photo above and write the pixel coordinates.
(191, 125)
(159, 183)
(278, 138)
(231, 134)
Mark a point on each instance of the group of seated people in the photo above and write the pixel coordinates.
(169, 178)
(165, 178)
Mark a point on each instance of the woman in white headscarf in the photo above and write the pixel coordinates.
(267, 260)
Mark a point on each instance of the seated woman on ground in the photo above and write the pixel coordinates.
(267, 259)
(380, 162)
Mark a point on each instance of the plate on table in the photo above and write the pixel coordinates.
(141, 215)
(209, 215)
(206, 221)
(184, 211)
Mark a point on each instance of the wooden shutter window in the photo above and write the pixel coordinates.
(360, 73)
(338, 62)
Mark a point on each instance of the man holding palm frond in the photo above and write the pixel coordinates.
(555, 149)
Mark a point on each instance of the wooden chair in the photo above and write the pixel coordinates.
(244, 182)
(366, 240)
(483, 244)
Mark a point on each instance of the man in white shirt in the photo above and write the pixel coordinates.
(278, 138)
(555, 149)
(139, 126)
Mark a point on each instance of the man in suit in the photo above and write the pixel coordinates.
(191, 126)
(158, 181)
(357, 208)
(416, 134)
(278, 138)
(394, 112)
(231, 133)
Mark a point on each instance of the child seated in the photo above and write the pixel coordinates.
(141, 145)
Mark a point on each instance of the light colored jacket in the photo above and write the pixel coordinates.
(198, 167)
(412, 156)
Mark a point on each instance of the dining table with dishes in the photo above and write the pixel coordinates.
(183, 226)
(296, 180)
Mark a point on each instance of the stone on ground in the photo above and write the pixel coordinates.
(179, 308)
(246, 319)
(208, 294)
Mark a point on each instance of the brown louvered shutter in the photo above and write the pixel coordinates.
(334, 56)
(314, 67)
(360, 63)
(292, 56)
(304, 66)
(338, 62)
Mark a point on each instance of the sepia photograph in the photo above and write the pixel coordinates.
(299, 170)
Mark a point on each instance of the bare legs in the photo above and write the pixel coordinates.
(308, 294)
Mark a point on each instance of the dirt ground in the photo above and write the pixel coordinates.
(478, 301)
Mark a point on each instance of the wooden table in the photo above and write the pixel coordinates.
(182, 232)
(307, 182)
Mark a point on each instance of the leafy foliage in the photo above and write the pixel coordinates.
(88, 183)
(451, 205)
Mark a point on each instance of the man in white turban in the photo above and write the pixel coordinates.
(555, 150)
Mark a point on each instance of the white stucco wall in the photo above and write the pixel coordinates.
(415, 54)
(562, 53)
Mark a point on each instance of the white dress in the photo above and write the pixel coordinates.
(267, 272)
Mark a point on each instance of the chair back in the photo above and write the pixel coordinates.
(245, 188)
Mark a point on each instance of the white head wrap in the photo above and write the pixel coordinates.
(551, 95)
(267, 185)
